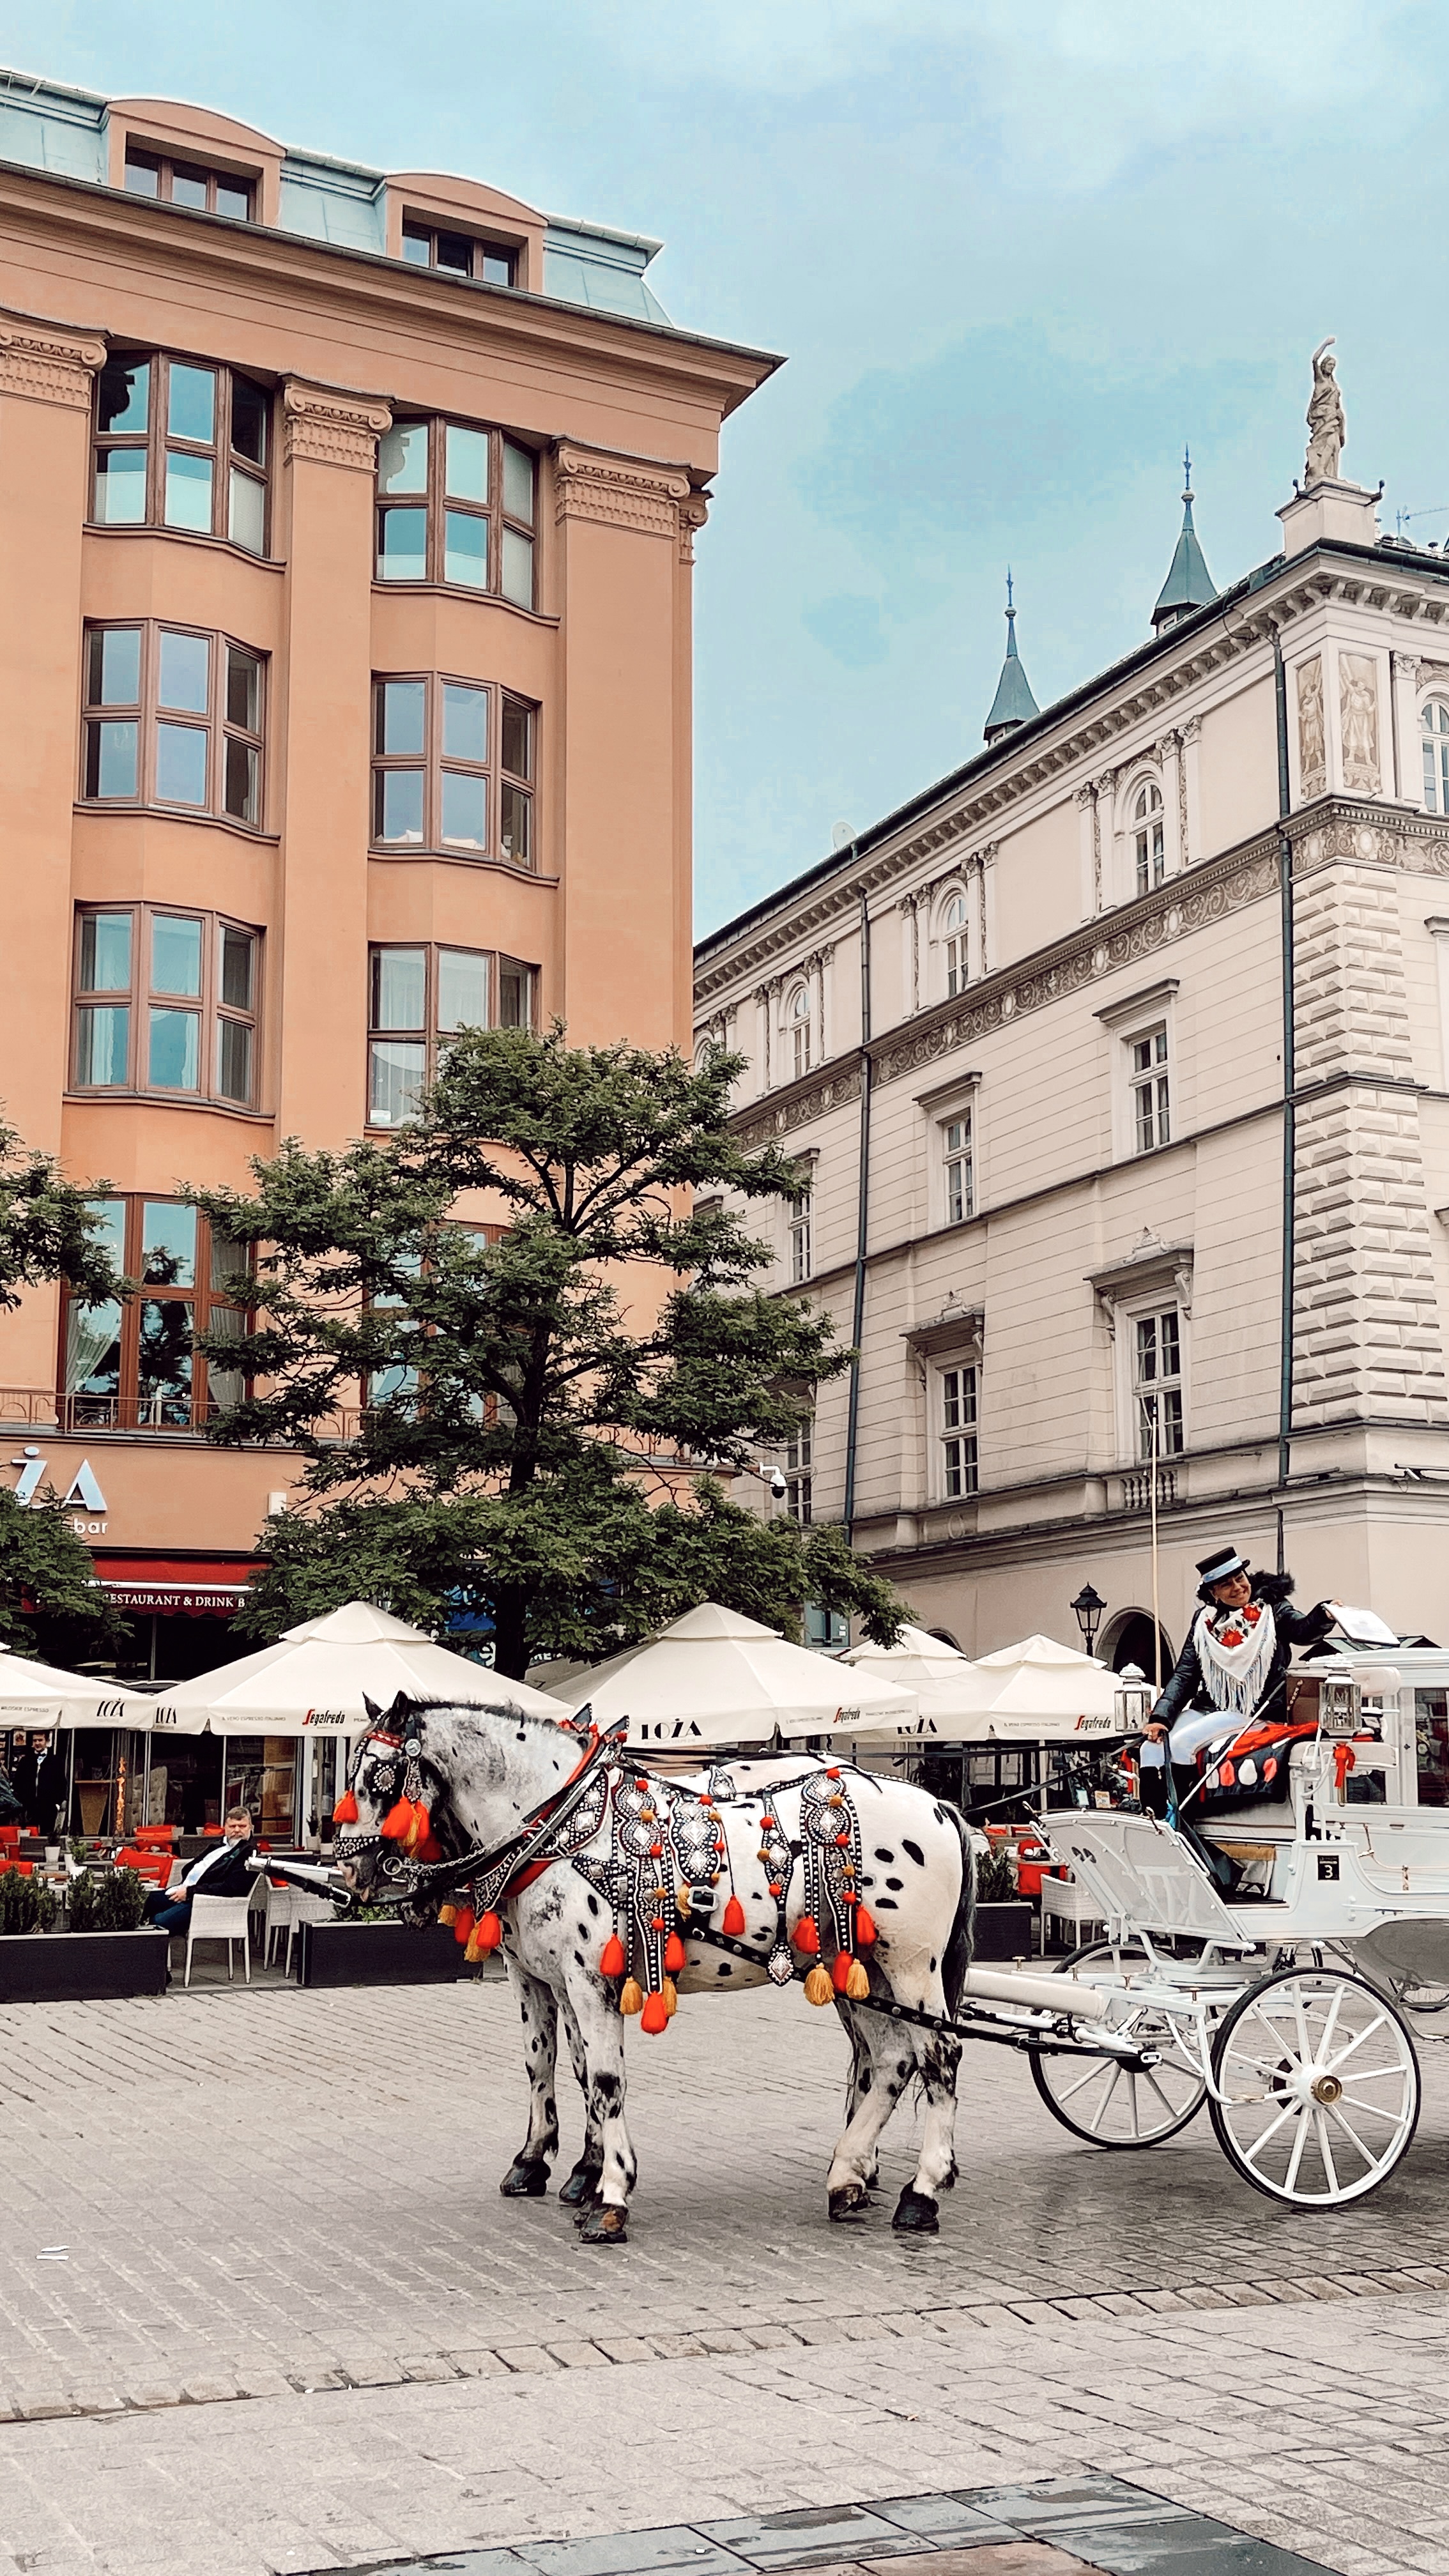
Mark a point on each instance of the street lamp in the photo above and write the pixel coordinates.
(1088, 1607)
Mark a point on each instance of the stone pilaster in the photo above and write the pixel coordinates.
(1367, 1339)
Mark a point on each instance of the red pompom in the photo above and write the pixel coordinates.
(655, 2016)
(489, 1932)
(841, 1970)
(463, 1923)
(806, 1936)
(397, 1820)
(429, 1848)
(674, 1955)
(864, 1927)
(345, 1811)
(734, 1918)
(613, 1962)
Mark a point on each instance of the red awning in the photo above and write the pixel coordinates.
(190, 1587)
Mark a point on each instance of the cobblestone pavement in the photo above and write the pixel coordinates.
(289, 2201)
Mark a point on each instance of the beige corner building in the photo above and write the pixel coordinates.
(1120, 1064)
(345, 558)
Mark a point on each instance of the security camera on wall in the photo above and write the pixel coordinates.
(777, 1485)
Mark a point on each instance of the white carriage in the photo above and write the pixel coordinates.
(1286, 2009)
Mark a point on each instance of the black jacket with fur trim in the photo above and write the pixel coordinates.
(1186, 1686)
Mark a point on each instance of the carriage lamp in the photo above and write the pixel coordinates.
(1340, 1702)
(1135, 1696)
(1088, 1608)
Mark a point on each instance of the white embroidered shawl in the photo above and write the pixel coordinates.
(1235, 1674)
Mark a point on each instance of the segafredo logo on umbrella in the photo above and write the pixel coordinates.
(1098, 1726)
(325, 1717)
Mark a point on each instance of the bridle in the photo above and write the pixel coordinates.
(522, 1850)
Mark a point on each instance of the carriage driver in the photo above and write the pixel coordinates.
(1232, 1671)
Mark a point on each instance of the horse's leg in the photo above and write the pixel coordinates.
(885, 2063)
(582, 2185)
(859, 2081)
(527, 2176)
(602, 2033)
(938, 2057)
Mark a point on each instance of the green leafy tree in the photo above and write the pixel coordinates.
(48, 1228)
(534, 1390)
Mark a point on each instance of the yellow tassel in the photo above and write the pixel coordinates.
(819, 1986)
(448, 1914)
(671, 1998)
(857, 1984)
(631, 1996)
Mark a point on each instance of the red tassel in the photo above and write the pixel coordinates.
(613, 1962)
(463, 1923)
(864, 1927)
(489, 1931)
(429, 1848)
(806, 1936)
(841, 1970)
(674, 1955)
(345, 1811)
(397, 1820)
(655, 2016)
(734, 1918)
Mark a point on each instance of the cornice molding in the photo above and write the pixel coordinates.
(326, 426)
(48, 361)
(763, 1122)
(622, 492)
(1340, 828)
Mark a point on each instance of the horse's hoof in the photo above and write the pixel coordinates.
(526, 2179)
(851, 2201)
(581, 2187)
(605, 2225)
(916, 2214)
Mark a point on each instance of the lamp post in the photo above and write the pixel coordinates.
(1088, 1608)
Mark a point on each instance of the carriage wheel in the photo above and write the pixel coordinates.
(1103, 2101)
(1320, 2087)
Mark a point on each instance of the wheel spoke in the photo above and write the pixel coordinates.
(1326, 2152)
(1100, 2112)
(1290, 2179)
(1370, 2160)
(1252, 2153)
(1170, 2108)
(1377, 2110)
(1379, 2022)
(1068, 2092)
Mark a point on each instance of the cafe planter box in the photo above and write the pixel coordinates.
(378, 1954)
(72, 1967)
(1003, 1931)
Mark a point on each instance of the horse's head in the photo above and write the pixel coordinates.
(391, 1810)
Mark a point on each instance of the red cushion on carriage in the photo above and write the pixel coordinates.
(1251, 1768)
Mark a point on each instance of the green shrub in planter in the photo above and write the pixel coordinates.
(26, 1904)
(995, 1877)
(114, 1903)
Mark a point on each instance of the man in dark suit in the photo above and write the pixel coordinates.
(223, 1871)
(39, 1783)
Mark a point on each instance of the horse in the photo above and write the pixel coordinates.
(639, 1889)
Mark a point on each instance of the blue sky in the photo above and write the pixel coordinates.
(1016, 252)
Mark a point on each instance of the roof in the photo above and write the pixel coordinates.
(1013, 703)
(1189, 584)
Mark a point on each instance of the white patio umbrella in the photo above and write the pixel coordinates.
(715, 1677)
(1039, 1692)
(318, 1677)
(41, 1695)
(942, 1678)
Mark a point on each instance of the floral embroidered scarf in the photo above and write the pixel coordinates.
(1235, 1654)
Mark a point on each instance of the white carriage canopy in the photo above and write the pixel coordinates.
(715, 1677)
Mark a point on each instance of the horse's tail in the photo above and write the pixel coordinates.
(962, 1937)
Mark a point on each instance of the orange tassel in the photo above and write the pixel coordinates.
(463, 1922)
(734, 1919)
(488, 1932)
(655, 2016)
(841, 1970)
(864, 1927)
(818, 1988)
(674, 1954)
(806, 1936)
(612, 1962)
(671, 1998)
(857, 1984)
(448, 1916)
(397, 1820)
(345, 1811)
(631, 1999)
(420, 1827)
(429, 1848)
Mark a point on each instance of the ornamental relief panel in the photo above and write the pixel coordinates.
(40, 365)
(1358, 714)
(619, 495)
(1312, 735)
(322, 428)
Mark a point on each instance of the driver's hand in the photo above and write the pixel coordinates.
(1155, 1730)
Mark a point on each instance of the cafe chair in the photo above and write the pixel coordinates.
(310, 1906)
(220, 1918)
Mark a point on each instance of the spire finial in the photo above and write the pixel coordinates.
(1187, 474)
(1010, 610)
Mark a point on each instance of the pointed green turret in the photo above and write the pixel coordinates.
(1013, 703)
(1189, 584)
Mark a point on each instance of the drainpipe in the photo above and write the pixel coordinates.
(1285, 906)
(862, 1221)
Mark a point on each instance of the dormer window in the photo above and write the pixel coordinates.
(188, 183)
(460, 255)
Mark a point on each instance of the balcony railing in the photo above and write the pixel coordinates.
(1137, 1489)
(35, 1406)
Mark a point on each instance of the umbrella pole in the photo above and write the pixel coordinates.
(1156, 1622)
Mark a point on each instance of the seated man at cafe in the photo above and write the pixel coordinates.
(222, 1871)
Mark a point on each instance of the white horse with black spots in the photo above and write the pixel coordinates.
(487, 1773)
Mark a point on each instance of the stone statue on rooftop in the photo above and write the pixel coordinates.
(1327, 433)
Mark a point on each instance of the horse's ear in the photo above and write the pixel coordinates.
(583, 1718)
(373, 1708)
(401, 1705)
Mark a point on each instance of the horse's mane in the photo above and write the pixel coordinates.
(503, 1706)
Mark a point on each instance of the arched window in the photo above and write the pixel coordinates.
(797, 1027)
(954, 941)
(1147, 839)
(1434, 726)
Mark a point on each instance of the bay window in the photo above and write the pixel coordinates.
(182, 445)
(166, 1002)
(172, 717)
(453, 769)
(457, 504)
(419, 997)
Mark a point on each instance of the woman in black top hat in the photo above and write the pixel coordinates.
(1233, 1670)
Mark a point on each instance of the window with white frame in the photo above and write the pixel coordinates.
(1434, 729)
(955, 943)
(958, 1174)
(1150, 1083)
(798, 1462)
(1157, 1383)
(1148, 845)
(797, 1032)
(956, 1399)
(801, 1257)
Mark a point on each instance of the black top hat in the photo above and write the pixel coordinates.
(1223, 1563)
